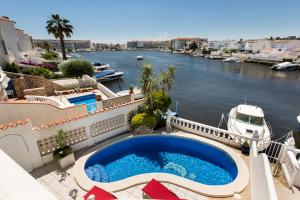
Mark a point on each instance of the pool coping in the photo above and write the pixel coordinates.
(236, 186)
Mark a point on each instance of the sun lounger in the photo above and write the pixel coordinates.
(98, 194)
(156, 190)
(60, 92)
(86, 89)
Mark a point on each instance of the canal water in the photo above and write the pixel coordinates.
(204, 89)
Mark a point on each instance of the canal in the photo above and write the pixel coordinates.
(204, 89)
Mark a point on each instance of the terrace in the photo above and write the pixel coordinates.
(63, 185)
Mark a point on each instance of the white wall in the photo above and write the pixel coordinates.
(262, 184)
(10, 36)
(15, 183)
(28, 154)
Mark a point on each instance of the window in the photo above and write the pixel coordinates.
(256, 121)
(259, 121)
(242, 118)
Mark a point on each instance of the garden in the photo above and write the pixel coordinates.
(156, 88)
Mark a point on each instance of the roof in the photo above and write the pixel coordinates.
(62, 121)
(250, 110)
(156, 190)
(4, 18)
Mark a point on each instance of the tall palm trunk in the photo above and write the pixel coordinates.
(63, 50)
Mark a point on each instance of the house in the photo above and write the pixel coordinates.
(183, 43)
(13, 42)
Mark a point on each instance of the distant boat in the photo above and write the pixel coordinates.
(214, 57)
(178, 51)
(285, 66)
(140, 58)
(231, 59)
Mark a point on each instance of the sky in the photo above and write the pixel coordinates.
(117, 21)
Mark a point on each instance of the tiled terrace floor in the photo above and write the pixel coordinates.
(63, 185)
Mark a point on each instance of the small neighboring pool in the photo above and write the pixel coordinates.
(183, 157)
(89, 100)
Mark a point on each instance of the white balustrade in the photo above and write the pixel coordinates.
(44, 99)
(116, 101)
(221, 135)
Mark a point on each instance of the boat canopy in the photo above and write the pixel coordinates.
(250, 110)
(104, 73)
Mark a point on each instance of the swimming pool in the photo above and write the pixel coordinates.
(183, 157)
(89, 100)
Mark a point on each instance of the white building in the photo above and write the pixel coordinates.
(223, 44)
(255, 46)
(14, 42)
(183, 43)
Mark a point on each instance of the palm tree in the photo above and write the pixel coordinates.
(167, 78)
(148, 82)
(60, 28)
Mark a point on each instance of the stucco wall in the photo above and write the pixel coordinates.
(38, 113)
(35, 91)
(31, 136)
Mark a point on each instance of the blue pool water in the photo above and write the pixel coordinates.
(89, 100)
(183, 157)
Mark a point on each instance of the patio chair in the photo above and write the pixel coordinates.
(156, 190)
(86, 89)
(97, 193)
(60, 92)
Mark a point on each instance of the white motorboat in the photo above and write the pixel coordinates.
(231, 59)
(104, 72)
(246, 120)
(298, 118)
(285, 66)
(140, 58)
(178, 51)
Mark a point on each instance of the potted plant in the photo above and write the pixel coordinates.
(130, 90)
(245, 148)
(64, 154)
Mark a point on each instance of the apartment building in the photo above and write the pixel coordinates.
(70, 45)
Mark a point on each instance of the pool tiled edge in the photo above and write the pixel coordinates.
(237, 186)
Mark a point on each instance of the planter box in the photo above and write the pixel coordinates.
(67, 161)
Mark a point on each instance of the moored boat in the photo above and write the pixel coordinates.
(231, 59)
(247, 120)
(140, 58)
(285, 66)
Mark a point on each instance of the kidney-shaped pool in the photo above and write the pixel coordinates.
(184, 157)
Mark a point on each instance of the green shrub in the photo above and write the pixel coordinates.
(49, 55)
(77, 68)
(40, 71)
(161, 101)
(11, 67)
(143, 120)
(63, 150)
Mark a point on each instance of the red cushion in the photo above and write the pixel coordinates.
(100, 194)
(156, 190)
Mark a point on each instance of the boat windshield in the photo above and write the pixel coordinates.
(249, 119)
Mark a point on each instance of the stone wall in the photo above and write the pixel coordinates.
(23, 82)
(35, 91)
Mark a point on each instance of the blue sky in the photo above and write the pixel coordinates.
(122, 20)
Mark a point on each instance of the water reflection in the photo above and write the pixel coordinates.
(206, 88)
